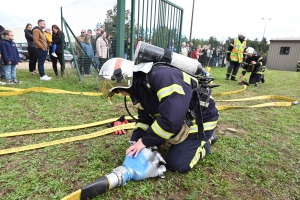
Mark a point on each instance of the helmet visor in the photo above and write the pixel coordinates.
(115, 76)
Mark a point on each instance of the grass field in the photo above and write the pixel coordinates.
(259, 161)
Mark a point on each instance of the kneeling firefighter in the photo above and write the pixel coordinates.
(254, 64)
(174, 106)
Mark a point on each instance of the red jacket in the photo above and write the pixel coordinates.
(194, 55)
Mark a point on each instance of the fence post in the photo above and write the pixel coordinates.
(63, 40)
(120, 27)
(73, 53)
(132, 25)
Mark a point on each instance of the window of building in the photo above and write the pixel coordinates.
(284, 50)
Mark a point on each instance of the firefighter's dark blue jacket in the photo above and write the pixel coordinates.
(163, 110)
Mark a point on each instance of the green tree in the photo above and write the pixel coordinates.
(110, 22)
(264, 47)
(213, 42)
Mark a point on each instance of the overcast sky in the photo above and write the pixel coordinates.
(217, 18)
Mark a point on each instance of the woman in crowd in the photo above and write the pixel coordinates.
(203, 56)
(31, 48)
(58, 39)
(101, 48)
(109, 42)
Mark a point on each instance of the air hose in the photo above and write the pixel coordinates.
(125, 102)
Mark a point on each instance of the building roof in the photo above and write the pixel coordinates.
(290, 39)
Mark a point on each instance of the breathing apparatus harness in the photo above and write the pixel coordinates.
(202, 92)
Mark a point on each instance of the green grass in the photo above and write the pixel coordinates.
(260, 161)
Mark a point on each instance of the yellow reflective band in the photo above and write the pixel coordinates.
(186, 78)
(193, 129)
(260, 58)
(207, 126)
(195, 80)
(167, 91)
(141, 108)
(142, 126)
(157, 115)
(160, 132)
(210, 125)
(200, 153)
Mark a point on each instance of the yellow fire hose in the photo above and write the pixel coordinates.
(17, 91)
(66, 140)
(76, 195)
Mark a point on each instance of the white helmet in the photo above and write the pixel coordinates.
(241, 34)
(250, 50)
(115, 74)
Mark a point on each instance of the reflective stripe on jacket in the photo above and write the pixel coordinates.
(237, 52)
(162, 112)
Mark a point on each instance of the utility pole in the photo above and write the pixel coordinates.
(263, 33)
(192, 21)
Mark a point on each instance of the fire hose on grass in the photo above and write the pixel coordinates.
(148, 162)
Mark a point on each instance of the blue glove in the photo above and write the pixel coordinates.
(203, 73)
(145, 165)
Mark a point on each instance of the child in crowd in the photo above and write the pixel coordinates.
(10, 57)
(49, 40)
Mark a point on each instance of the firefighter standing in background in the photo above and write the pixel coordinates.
(298, 67)
(254, 64)
(235, 55)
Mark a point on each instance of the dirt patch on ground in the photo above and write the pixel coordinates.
(228, 131)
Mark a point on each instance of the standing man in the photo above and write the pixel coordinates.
(208, 55)
(2, 71)
(127, 49)
(39, 39)
(191, 49)
(184, 50)
(90, 32)
(80, 39)
(221, 57)
(215, 57)
(235, 54)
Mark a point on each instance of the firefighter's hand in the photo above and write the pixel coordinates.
(253, 62)
(135, 148)
(240, 76)
(117, 123)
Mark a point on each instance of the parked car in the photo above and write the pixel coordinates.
(22, 49)
(68, 56)
(22, 57)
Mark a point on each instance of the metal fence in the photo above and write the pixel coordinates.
(158, 22)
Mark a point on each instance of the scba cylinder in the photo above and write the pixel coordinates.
(149, 53)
